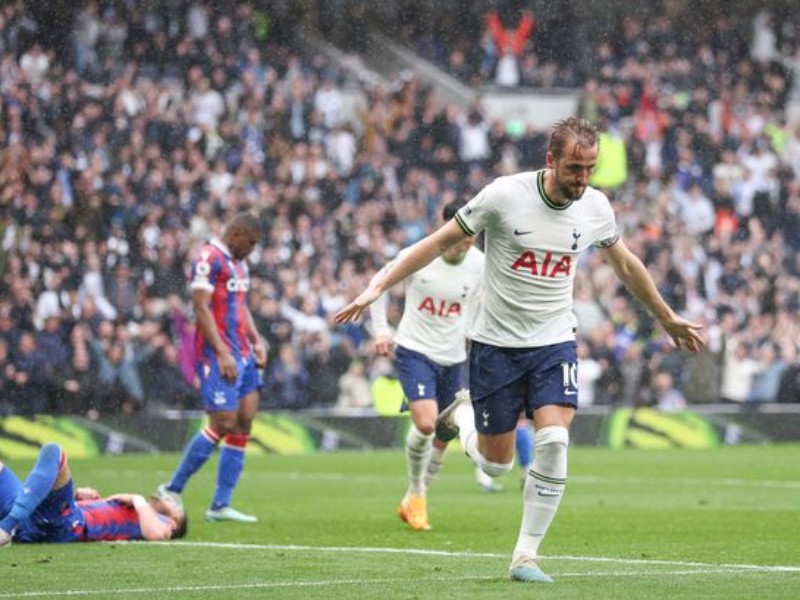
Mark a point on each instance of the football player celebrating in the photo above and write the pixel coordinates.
(430, 350)
(523, 353)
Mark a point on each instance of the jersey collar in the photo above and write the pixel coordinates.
(545, 198)
(218, 243)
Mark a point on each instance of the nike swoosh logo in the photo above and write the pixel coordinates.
(519, 232)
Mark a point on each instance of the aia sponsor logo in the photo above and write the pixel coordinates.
(440, 308)
(549, 265)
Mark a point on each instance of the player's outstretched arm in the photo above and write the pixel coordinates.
(417, 256)
(152, 526)
(632, 273)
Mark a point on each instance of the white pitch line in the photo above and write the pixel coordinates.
(448, 553)
(233, 586)
(579, 479)
(335, 582)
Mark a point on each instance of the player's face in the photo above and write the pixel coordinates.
(169, 509)
(242, 244)
(573, 169)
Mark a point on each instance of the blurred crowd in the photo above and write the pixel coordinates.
(156, 122)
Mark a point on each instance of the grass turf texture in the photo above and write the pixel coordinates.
(633, 524)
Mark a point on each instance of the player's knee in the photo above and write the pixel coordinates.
(51, 452)
(551, 437)
(551, 445)
(491, 468)
(425, 427)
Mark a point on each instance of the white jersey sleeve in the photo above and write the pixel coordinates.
(378, 309)
(532, 245)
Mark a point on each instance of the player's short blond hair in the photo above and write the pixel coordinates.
(572, 129)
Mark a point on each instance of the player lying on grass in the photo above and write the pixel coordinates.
(45, 509)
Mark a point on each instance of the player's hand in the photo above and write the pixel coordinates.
(86, 493)
(353, 311)
(685, 334)
(227, 366)
(124, 499)
(384, 344)
(260, 352)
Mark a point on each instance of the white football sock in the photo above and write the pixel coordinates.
(434, 464)
(465, 419)
(544, 487)
(418, 454)
(483, 479)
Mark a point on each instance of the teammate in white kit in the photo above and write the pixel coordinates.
(430, 348)
(520, 319)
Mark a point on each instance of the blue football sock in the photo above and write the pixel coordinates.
(524, 445)
(39, 483)
(231, 463)
(197, 453)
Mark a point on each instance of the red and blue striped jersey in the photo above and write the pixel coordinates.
(106, 520)
(228, 280)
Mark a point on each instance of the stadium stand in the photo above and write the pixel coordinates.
(134, 135)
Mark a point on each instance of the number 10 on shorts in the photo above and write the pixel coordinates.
(569, 374)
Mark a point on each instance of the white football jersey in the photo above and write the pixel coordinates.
(524, 298)
(433, 321)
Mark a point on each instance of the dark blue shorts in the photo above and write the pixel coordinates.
(220, 394)
(507, 381)
(56, 519)
(423, 378)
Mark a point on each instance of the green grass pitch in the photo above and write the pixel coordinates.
(633, 524)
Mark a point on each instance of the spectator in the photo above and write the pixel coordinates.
(75, 386)
(164, 384)
(6, 380)
(589, 371)
(766, 381)
(789, 386)
(509, 46)
(52, 343)
(738, 371)
(354, 388)
(666, 396)
(697, 211)
(194, 102)
(122, 292)
(286, 380)
(119, 384)
(29, 377)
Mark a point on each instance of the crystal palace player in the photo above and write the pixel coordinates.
(229, 353)
(431, 357)
(520, 319)
(45, 508)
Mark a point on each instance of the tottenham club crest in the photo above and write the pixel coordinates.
(575, 236)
